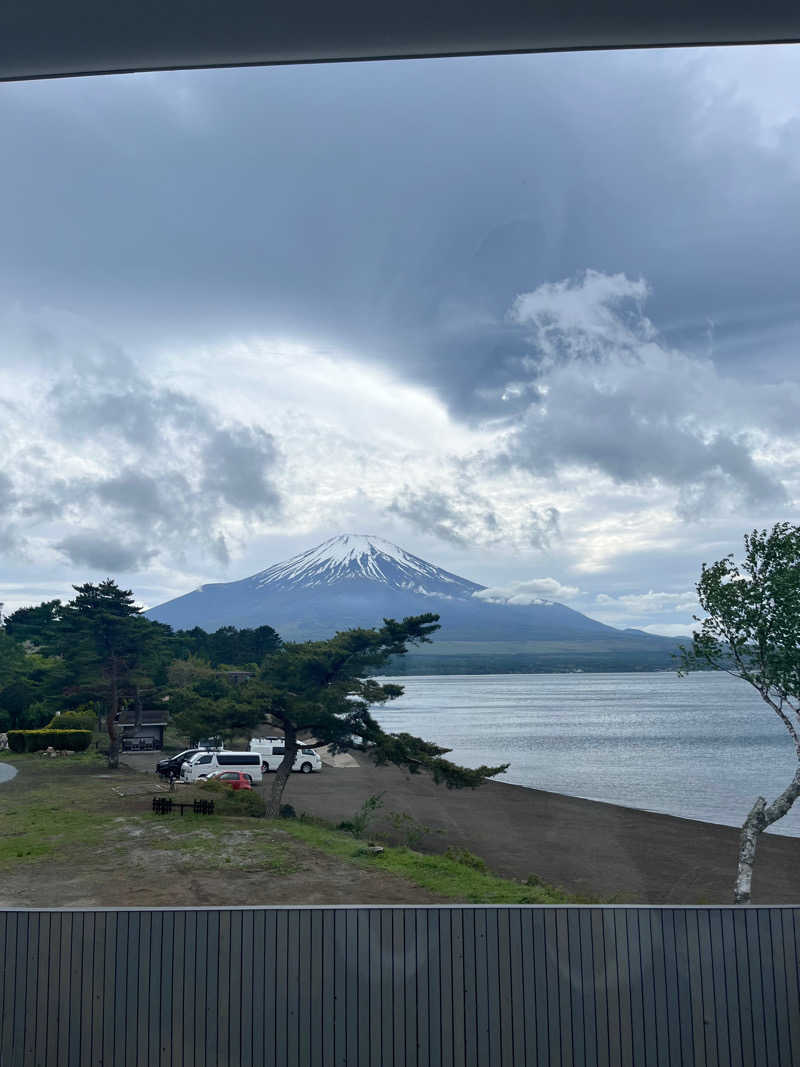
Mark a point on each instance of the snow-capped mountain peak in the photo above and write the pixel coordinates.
(362, 557)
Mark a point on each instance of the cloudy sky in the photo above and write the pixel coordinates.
(534, 318)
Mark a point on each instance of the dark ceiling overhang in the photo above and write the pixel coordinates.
(46, 38)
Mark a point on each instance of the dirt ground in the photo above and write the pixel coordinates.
(157, 880)
(601, 851)
(143, 863)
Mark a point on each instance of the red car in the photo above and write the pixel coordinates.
(235, 779)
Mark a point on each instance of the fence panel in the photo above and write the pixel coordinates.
(400, 987)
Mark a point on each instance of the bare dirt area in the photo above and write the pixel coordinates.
(115, 852)
(77, 836)
(150, 876)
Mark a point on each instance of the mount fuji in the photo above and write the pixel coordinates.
(358, 580)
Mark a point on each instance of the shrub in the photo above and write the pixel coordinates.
(363, 817)
(412, 830)
(286, 811)
(36, 740)
(77, 719)
(462, 855)
(16, 740)
(229, 801)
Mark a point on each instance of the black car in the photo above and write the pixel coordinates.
(172, 765)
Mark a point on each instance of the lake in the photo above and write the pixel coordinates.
(702, 747)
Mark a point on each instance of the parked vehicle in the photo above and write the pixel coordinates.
(209, 743)
(235, 779)
(203, 764)
(173, 764)
(272, 751)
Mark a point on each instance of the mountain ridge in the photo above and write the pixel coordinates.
(356, 580)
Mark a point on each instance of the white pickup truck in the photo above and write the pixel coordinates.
(271, 750)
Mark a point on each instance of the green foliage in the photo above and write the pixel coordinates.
(466, 858)
(358, 824)
(412, 830)
(37, 740)
(75, 719)
(751, 628)
(228, 646)
(28, 683)
(34, 624)
(205, 703)
(229, 801)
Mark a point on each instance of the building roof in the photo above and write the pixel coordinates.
(43, 38)
(150, 717)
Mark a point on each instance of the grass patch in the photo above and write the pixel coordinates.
(33, 830)
(202, 842)
(467, 883)
(87, 758)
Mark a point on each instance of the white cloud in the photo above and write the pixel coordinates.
(532, 591)
(652, 602)
(670, 629)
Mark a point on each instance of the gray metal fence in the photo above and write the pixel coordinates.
(421, 986)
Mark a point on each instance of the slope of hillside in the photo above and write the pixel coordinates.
(355, 580)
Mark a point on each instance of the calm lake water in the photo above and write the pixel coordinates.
(703, 747)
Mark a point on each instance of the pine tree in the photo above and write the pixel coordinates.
(325, 688)
(110, 649)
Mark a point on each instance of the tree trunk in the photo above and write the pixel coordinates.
(113, 727)
(282, 773)
(761, 816)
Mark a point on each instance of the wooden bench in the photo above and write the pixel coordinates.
(166, 805)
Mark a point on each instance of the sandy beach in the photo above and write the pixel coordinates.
(600, 850)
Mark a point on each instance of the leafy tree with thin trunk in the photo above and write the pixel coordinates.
(325, 689)
(751, 630)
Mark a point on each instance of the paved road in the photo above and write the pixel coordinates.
(598, 850)
(7, 772)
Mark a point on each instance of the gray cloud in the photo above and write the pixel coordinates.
(431, 512)
(386, 222)
(164, 470)
(542, 526)
(239, 462)
(617, 400)
(101, 552)
(7, 494)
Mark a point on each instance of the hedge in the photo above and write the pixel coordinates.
(229, 801)
(73, 720)
(36, 740)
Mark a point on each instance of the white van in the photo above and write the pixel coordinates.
(271, 751)
(205, 763)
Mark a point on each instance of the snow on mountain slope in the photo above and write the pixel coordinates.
(359, 557)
